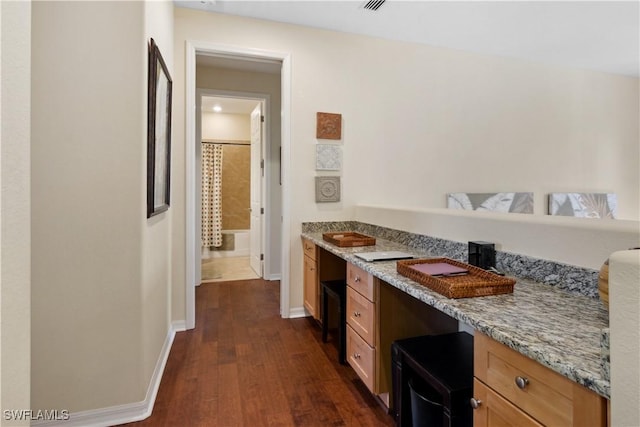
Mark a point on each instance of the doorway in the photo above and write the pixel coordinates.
(230, 164)
(278, 225)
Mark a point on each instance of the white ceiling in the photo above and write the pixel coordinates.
(597, 35)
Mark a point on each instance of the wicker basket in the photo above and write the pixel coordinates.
(477, 283)
(348, 239)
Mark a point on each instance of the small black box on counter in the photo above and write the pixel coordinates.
(482, 254)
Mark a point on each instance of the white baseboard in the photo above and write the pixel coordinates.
(272, 277)
(179, 325)
(129, 412)
(297, 312)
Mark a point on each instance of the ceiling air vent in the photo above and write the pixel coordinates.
(373, 4)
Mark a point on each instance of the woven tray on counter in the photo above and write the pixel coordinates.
(477, 283)
(348, 239)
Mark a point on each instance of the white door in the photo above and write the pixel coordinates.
(257, 174)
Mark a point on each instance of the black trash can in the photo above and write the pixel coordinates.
(432, 379)
(426, 405)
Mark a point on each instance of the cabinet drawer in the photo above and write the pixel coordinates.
(361, 281)
(361, 357)
(309, 248)
(544, 394)
(361, 315)
(494, 410)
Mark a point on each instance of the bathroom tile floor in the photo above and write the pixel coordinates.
(226, 269)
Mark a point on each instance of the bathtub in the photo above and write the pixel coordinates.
(236, 239)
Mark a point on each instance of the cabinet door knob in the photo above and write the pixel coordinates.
(357, 279)
(356, 355)
(522, 382)
(356, 314)
(475, 403)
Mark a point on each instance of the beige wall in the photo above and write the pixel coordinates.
(101, 271)
(226, 127)
(15, 241)
(421, 121)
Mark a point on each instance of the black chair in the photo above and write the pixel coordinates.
(336, 289)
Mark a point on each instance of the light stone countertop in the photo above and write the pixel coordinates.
(558, 329)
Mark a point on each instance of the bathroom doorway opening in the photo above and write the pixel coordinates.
(244, 62)
(230, 164)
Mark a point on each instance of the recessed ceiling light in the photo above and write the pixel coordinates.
(217, 108)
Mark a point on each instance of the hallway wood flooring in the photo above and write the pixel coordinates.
(243, 365)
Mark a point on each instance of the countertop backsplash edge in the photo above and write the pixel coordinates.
(574, 279)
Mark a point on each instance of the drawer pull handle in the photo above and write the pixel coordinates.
(356, 355)
(522, 382)
(475, 403)
(357, 279)
(356, 314)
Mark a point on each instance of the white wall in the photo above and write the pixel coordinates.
(228, 127)
(101, 271)
(420, 121)
(15, 241)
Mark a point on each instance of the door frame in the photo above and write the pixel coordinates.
(265, 185)
(192, 48)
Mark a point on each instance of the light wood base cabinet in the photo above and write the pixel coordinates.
(512, 390)
(319, 265)
(310, 278)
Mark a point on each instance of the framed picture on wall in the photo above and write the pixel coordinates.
(158, 133)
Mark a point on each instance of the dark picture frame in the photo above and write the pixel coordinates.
(158, 133)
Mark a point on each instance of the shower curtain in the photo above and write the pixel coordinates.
(211, 195)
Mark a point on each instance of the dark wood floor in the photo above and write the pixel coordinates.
(243, 365)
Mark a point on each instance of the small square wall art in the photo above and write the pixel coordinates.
(328, 157)
(584, 205)
(327, 189)
(328, 126)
